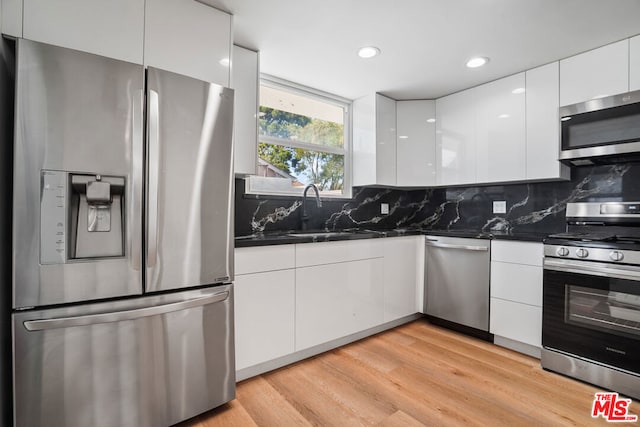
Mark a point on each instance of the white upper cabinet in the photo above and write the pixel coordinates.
(11, 17)
(244, 81)
(416, 145)
(543, 124)
(500, 130)
(594, 74)
(634, 63)
(374, 140)
(188, 37)
(456, 138)
(113, 28)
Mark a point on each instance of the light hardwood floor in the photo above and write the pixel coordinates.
(414, 375)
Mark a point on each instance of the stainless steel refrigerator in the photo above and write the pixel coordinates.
(122, 246)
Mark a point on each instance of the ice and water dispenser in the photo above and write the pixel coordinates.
(82, 216)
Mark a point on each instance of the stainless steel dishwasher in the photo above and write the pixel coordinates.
(457, 282)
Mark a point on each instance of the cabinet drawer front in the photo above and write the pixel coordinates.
(264, 258)
(308, 254)
(519, 322)
(528, 253)
(516, 282)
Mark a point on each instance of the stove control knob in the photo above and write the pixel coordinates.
(616, 256)
(582, 253)
(562, 251)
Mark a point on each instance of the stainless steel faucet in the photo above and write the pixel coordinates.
(305, 216)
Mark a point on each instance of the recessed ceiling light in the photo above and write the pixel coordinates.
(504, 116)
(431, 120)
(476, 62)
(368, 52)
(518, 90)
(403, 137)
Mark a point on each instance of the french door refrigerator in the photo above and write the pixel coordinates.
(122, 252)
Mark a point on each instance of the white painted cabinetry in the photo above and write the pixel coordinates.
(594, 74)
(516, 295)
(456, 138)
(634, 63)
(416, 145)
(188, 37)
(403, 276)
(543, 124)
(374, 140)
(112, 28)
(245, 82)
(500, 130)
(264, 301)
(339, 290)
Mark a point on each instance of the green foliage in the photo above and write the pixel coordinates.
(326, 170)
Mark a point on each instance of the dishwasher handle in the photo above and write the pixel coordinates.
(461, 247)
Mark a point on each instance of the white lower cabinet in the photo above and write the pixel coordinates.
(403, 276)
(264, 316)
(335, 300)
(516, 295)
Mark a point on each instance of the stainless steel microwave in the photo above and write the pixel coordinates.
(602, 130)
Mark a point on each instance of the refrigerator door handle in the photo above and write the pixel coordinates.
(137, 152)
(153, 135)
(120, 316)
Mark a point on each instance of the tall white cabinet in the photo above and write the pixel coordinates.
(634, 63)
(456, 138)
(500, 130)
(245, 74)
(374, 140)
(543, 124)
(415, 146)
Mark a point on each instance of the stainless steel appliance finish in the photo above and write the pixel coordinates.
(188, 222)
(98, 364)
(600, 130)
(79, 113)
(96, 341)
(457, 280)
(591, 296)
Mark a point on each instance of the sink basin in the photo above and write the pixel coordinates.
(321, 234)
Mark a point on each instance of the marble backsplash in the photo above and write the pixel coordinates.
(532, 207)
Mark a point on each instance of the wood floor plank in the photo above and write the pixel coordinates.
(414, 375)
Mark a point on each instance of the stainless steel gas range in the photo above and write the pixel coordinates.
(591, 296)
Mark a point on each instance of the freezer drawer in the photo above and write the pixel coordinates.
(151, 361)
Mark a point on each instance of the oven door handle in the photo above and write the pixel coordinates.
(626, 272)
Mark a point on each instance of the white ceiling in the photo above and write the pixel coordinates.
(424, 43)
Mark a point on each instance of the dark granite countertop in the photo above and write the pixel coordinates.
(297, 236)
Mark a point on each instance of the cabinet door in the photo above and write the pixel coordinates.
(335, 300)
(244, 81)
(264, 316)
(634, 63)
(526, 289)
(543, 123)
(385, 140)
(11, 17)
(416, 144)
(113, 28)
(401, 278)
(500, 130)
(594, 74)
(364, 140)
(455, 138)
(188, 37)
(516, 321)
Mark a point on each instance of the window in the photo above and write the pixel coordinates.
(303, 138)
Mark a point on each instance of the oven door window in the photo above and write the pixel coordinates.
(605, 311)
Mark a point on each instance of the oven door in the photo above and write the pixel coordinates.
(592, 310)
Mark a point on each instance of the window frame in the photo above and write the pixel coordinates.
(251, 182)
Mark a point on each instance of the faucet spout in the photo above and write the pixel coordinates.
(305, 216)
